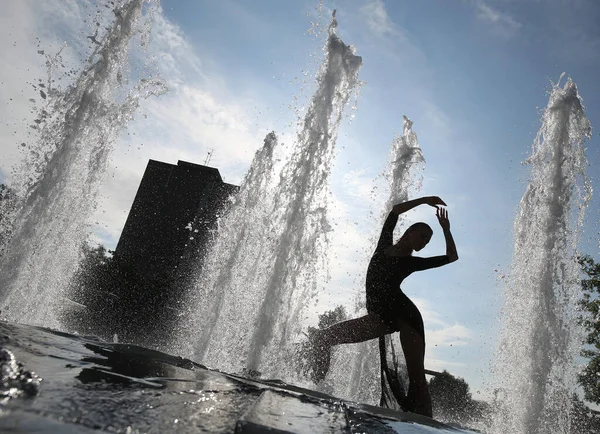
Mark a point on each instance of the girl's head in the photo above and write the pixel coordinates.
(418, 235)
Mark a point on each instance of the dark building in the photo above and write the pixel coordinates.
(169, 224)
(174, 208)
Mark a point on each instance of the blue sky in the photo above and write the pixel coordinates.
(471, 75)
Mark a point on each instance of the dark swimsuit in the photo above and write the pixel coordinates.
(384, 276)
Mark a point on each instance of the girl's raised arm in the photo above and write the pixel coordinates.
(442, 215)
(410, 204)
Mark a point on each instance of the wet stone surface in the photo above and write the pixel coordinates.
(287, 413)
(56, 382)
(15, 381)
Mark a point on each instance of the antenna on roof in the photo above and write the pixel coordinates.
(210, 152)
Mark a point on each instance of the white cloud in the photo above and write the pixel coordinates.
(378, 20)
(176, 58)
(360, 187)
(391, 38)
(502, 22)
(435, 117)
(30, 33)
(438, 365)
(440, 335)
(449, 335)
(351, 243)
(182, 125)
(21, 65)
(197, 114)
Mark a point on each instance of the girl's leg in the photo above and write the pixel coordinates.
(355, 330)
(346, 332)
(413, 345)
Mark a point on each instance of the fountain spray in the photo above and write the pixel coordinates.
(257, 308)
(60, 179)
(535, 368)
(362, 381)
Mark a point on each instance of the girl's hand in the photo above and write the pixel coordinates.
(433, 201)
(408, 205)
(442, 215)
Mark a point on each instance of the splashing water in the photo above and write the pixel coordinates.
(60, 178)
(257, 303)
(535, 362)
(15, 380)
(235, 253)
(404, 178)
(405, 168)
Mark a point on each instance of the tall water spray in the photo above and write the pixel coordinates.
(403, 177)
(535, 363)
(405, 180)
(404, 169)
(234, 255)
(78, 128)
(256, 303)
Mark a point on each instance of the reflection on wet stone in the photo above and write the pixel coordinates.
(15, 380)
(124, 388)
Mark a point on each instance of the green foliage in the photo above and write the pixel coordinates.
(332, 317)
(453, 403)
(327, 319)
(450, 396)
(590, 304)
(583, 419)
(450, 393)
(101, 293)
(94, 271)
(109, 297)
(90, 291)
(307, 349)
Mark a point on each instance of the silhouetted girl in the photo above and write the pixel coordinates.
(389, 309)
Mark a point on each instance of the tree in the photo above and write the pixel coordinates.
(332, 317)
(107, 297)
(453, 403)
(94, 270)
(306, 350)
(450, 395)
(590, 303)
(327, 319)
(583, 419)
(99, 293)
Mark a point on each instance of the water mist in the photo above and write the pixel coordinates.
(535, 370)
(59, 180)
(355, 371)
(271, 252)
